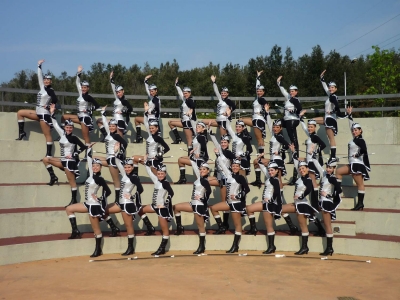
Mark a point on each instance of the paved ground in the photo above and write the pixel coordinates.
(206, 277)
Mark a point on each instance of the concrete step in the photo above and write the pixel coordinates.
(58, 246)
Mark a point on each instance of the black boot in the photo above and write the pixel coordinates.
(104, 133)
(150, 229)
(261, 150)
(235, 245)
(221, 228)
(333, 153)
(271, 245)
(293, 229)
(182, 178)
(97, 250)
(117, 193)
(73, 198)
(130, 249)
(178, 139)
(320, 159)
(253, 228)
(53, 177)
(258, 181)
(304, 249)
(161, 249)
(21, 133)
(190, 148)
(49, 148)
(114, 229)
(329, 249)
(139, 138)
(314, 199)
(294, 178)
(202, 246)
(179, 228)
(321, 231)
(76, 234)
(225, 220)
(360, 202)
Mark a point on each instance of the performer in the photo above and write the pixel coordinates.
(161, 205)
(271, 204)
(152, 109)
(155, 147)
(69, 160)
(45, 97)
(198, 205)
(358, 165)
(129, 202)
(259, 114)
(223, 114)
(329, 199)
(301, 206)
(93, 205)
(292, 111)
(332, 112)
(199, 149)
(226, 160)
(237, 189)
(121, 106)
(113, 141)
(85, 105)
(188, 116)
(314, 145)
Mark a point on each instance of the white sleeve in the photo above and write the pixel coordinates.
(284, 92)
(147, 89)
(269, 124)
(296, 164)
(216, 91)
(225, 169)
(89, 161)
(303, 125)
(230, 130)
(57, 127)
(40, 77)
(195, 169)
(120, 166)
(113, 89)
(257, 82)
(105, 122)
(319, 167)
(264, 170)
(78, 85)
(351, 122)
(325, 87)
(216, 144)
(180, 93)
(151, 175)
(146, 124)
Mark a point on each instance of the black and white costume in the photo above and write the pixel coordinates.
(291, 117)
(154, 111)
(303, 187)
(200, 148)
(237, 186)
(129, 183)
(162, 196)
(110, 140)
(68, 142)
(120, 106)
(188, 120)
(45, 97)
(223, 104)
(155, 146)
(272, 193)
(84, 109)
(240, 140)
(358, 153)
(314, 145)
(259, 113)
(331, 186)
(332, 110)
(96, 206)
(202, 189)
(277, 145)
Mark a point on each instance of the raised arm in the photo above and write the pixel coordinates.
(324, 83)
(195, 169)
(146, 123)
(304, 126)
(230, 130)
(104, 119)
(215, 87)
(258, 79)
(89, 161)
(113, 84)
(283, 90)
(151, 175)
(78, 80)
(263, 169)
(57, 127)
(146, 84)
(214, 140)
(178, 88)
(319, 167)
(225, 169)
(269, 123)
(350, 117)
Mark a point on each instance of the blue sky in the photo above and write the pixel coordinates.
(194, 32)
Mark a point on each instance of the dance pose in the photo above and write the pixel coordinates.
(198, 204)
(329, 199)
(69, 161)
(237, 189)
(314, 145)
(113, 141)
(129, 202)
(332, 112)
(188, 117)
(292, 111)
(85, 105)
(161, 205)
(301, 206)
(223, 115)
(271, 204)
(259, 114)
(152, 109)
(358, 165)
(45, 97)
(199, 150)
(93, 204)
(121, 106)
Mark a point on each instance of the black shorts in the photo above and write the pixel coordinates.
(237, 207)
(332, 124)
(260, 124)
(330, 206)
(164, 212)
(281, 165)
(121, 125)
(87, 121)
(46, 118)
(154, 163)
(245, 165)
(111, 162)
(313, 169)
(273, 208)
(222, 124)
(96, 210)
(356, 168)
(129, 208)
(71, 166)
(201, 210)
(304, 208)
(187, 124)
